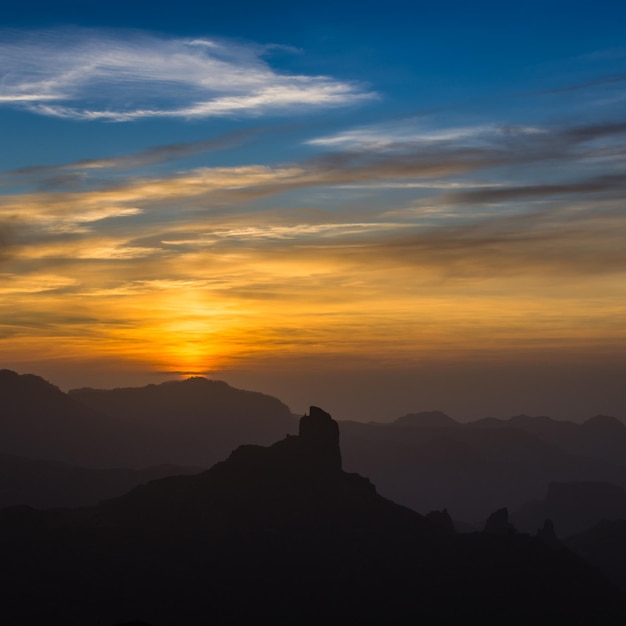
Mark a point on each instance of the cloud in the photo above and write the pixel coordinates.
(124, 76)
(78, 175)
(36, 284)
(570, 241)
(150, 156)
(441, 222)
(442, 165)
(403, 150)
(7, 239)
(408, 134)
(590, 84)
(606, 184)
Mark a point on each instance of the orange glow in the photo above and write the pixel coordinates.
(215, 289)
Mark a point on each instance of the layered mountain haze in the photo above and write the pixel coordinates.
(43, 483)
(281, 534)
(38, 420)
(602, 436)
(426, 461)
(191, 422)
(197, 419)
(430, 461)
(573, 507)
(295, 481)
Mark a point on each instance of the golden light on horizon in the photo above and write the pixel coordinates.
(201, 288)
(200, 325)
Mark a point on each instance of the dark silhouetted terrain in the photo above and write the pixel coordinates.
(282, 535)
(573, 507)
(429, 461)
(601, 437)
(38, 420)
(426, 461)
(195, 422)
(604, 545)
(44, 484)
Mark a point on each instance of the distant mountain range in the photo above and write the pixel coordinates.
(193, 422)
(573, 507)
(44, 484)
(426, 461)
(282, 535)
(429, 461)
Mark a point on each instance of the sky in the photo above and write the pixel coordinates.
(377, 209)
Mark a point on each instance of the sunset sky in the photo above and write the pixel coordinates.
(377, 208)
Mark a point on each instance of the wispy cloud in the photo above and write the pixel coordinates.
(408, 134)
(571, 241)
(477, 238)
(589, 84)
(606, 184)
(6, 239)
(95, 75)
(150, 156)
(440, 168)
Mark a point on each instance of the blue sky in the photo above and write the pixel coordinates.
(477, 61)
(338, 189)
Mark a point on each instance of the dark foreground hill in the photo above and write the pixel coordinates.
(281, 535)
(604, 545)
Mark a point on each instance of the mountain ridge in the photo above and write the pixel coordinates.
(192, 422)
(279, 534)
(424, 460)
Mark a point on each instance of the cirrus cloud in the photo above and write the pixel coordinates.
(124, 76)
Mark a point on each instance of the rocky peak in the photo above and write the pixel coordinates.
(498, 523)
(319, 439)
(548, 535)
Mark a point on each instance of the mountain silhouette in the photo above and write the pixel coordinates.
(42, 483)
(573, 507)
(195, 422)
(426, 419)
(281, 535)
(601, 437)
(38, 420)
(604, 545)
(297, 480)
(498, 523)
(428, 461)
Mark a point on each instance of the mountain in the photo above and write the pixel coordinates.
(194, 422)
(601, 437)
(43, 484)
(38, 420)
(297, 480)
(604, 546)
(281, 534)
(428, 461)
(426, 419)
(573, 507)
